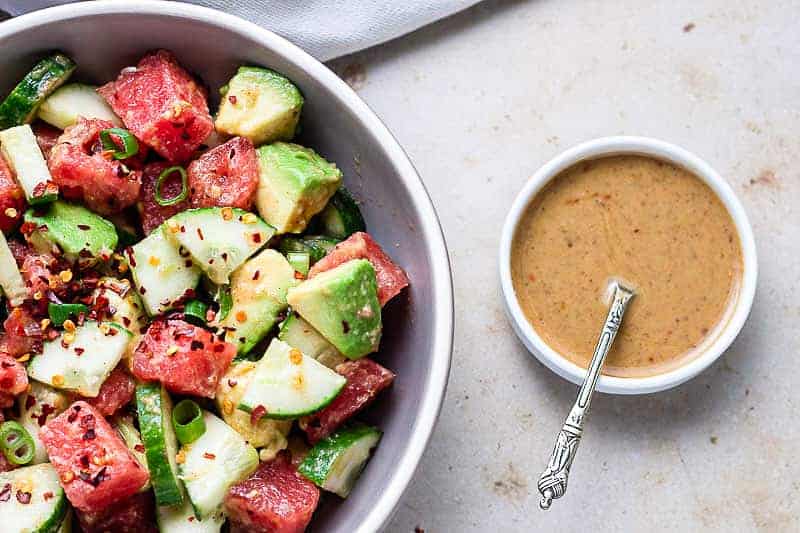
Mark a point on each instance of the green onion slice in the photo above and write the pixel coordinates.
(300, 261)
(130, 146)
(225, 301)
(187, 419)
(195, 312)
(58, 313)
(160, 200)
(16, 443)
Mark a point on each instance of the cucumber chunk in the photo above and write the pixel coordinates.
(213, 463)
(342, 217)
(83, 364)
(316, 246)
(294, 184)
(269, 436)
(298, 333)
(336, 462)
(181, 519)
(80, 234)
(219, 239)
(47, 75)
(259, 104)
(289, 384)
(40, 404)
(10, 277)
(39, 514)
(22, 153)
(161, 271)
(133, 440)
(154, 407)
(67, 103)
(258, 291)
(300, 261)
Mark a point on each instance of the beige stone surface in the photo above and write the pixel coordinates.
(484, 98)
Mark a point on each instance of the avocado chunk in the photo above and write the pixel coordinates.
(342, 305)
(294, 184)
(258, 291)
(78, 233)
(260, 104)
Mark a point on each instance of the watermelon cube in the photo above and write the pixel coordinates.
(95, 466)
(274, 499)
(185, 358)
(391, 278)
(162, 105)
(46, 136)
(82, 172)
(226, 176)
(13, 380)
(365, 379)
(153, 214)
(136, 514)
(116, 392)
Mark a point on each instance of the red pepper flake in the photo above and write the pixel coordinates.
(30, 401)
(23, 497)
(210, 456)
(191, 519)
(345, 327)
(131, 259)
(48, 496)
(196, 345)
(88, 421)
(84, 227)
(5, 494)
(257, 413)
(126, 321)
(232, 99)
(79, 351)
(142, 290)
(225, 256)
(200, 234)
(100, 477)
(231, 383)
(48, 410)
(256, 238)
(256, 275)
(139, 448)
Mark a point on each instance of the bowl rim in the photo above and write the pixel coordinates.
(429, 406)
(633, 145)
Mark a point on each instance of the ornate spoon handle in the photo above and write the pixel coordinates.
(553, 482)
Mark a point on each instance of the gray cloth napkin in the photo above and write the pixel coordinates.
(324, 28)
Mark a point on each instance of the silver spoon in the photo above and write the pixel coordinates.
(553, 482)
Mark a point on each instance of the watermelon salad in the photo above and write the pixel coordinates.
(191, 306)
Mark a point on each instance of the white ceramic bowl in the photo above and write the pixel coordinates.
(608, 146)
(107, 35)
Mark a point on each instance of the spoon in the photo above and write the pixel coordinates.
(553, 482)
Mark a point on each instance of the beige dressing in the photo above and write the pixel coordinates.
(655, 225)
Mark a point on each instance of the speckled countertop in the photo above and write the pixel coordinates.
(480, 101)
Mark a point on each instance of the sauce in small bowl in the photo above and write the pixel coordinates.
(656, 216)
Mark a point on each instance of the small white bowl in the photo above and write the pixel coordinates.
(608, 146)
